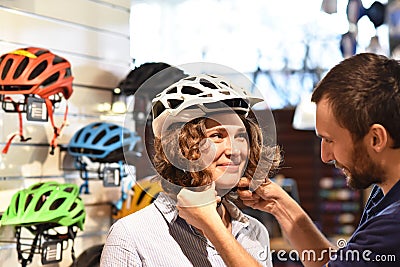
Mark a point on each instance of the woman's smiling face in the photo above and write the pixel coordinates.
(227, 142)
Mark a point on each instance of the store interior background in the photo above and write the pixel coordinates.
(283, 46)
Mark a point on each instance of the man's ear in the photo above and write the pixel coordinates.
(377, 137)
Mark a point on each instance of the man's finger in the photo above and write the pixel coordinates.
(244, 182)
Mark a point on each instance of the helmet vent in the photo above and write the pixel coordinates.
(113, 140)
(73, 206)
(51, 79)
(38, 70)
(206, 95)
(158, 108)
(21, 67)
(57, 203)
(99, 137)
(58, 60)
(78, 134)
(174, 103)
(190, 78)
(41, 52)
(142, 195)
(224, 83)
(6, 68)
(79, 214)
(16, 202)
(68, 189)
(36, 186)
(28, 201)
(208, 84)
(42, 200)
(68, 72)
(173, 90)
(190, 90)
(113, 127)
(87, 135)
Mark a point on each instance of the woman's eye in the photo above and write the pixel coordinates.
(242, 136)
(216, 136)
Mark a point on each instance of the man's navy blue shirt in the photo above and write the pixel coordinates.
(376, 241)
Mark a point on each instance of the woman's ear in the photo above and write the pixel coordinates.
(378, 137)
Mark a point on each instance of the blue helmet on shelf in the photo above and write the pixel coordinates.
(104, 142)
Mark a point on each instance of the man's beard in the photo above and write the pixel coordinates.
(364, 171)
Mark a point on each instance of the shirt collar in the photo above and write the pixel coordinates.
(167, 206)
(379, 201)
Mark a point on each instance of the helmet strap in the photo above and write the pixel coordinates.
(20, 133)
(72, 235)
(36, 245)
(84, 188)
(25, 261)
(57, 130)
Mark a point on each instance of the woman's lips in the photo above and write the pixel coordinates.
(229, 167)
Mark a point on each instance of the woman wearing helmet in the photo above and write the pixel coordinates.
(205, 136)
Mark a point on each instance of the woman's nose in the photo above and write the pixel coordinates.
(232, 148)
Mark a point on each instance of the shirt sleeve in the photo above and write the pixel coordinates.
(258, 243)
(266, 244)
(117, 250)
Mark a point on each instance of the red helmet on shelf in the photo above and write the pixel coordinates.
(34, 70)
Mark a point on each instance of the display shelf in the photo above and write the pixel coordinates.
(340, 207)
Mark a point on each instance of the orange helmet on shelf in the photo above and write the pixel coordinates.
(35, 70)
(143, 193)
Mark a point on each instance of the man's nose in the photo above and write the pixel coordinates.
(326, 153)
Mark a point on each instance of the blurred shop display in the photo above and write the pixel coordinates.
(329, 6)
(393, 21)
(100, 150)
(376, 13)
(340, 207)
(144, 83)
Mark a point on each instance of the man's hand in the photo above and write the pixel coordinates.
(266, 197)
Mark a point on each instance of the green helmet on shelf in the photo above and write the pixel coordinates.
(46, 202)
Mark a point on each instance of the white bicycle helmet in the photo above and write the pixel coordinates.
(195, 96)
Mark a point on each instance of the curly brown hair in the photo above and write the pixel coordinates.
(265, 159)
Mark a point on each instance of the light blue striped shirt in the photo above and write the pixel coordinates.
(156, 236)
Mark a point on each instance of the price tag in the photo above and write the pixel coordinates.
(52, 251)
(36, 110)
(111, 177)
